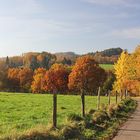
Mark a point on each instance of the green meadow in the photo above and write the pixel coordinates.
(107, 66)
(19, 112)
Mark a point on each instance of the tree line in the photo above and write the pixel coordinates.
(34, 60)
(25, 79)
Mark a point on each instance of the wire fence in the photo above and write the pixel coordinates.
(46, 120)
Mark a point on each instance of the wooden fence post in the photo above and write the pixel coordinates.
(54, 109)
(83, 102)
(98, 99)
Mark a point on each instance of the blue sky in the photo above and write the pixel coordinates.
(68, 25)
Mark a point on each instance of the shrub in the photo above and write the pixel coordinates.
(100, 116)
(102, 126)
(111, 110)
(127, 101)
(121, 106)
(89, 134)
(88, 121)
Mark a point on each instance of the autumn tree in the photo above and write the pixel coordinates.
(55, 81)
(133, 82)
(25, 78)
(20, 79)
(30, 60)
(3, 76)
(127, 71)
(86, 76)
(13, 79)
(35, 60)
(121, 73)
(37, 84)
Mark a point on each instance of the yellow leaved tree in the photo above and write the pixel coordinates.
(121, 73)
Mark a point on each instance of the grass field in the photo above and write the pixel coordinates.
(107, 66)
(19, 112)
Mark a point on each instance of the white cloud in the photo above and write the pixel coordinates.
(127, 3)
(130, 33)
(106, 2)
(12, 27)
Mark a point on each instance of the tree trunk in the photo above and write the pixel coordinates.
(125, 93)
(98, 100)
(54, 109)
(121, 94)
(83, 103)
(116, 97)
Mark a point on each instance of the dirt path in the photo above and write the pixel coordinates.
(131, 129)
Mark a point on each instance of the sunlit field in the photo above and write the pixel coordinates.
(20, 112)
(107, 66)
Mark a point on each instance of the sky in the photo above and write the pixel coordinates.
(78, 26)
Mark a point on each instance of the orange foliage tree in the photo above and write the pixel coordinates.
(13, 79)
(56, 80)
(37, 84)
(20, 79)
(25, 78)
(86, 76)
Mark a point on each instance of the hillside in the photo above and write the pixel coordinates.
(109, 52)
(108, 56)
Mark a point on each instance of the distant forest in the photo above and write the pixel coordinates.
(35, 60)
